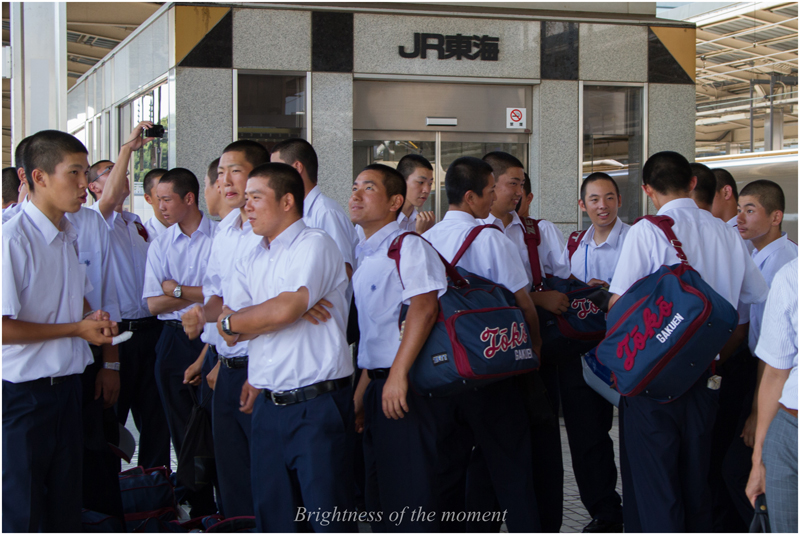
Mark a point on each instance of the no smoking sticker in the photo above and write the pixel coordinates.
(516, 117)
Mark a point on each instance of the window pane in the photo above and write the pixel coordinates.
(613, 142)
(271, 108)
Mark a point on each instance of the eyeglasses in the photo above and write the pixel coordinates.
(107, 170)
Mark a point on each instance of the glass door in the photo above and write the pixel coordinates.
(440, 148)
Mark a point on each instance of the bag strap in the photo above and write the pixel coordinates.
(452, 274)
(533, 239)
(574, 241)
(468, 241)
(665, 224)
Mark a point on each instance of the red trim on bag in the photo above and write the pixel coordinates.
(132, 517)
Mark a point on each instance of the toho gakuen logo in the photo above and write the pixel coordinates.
(584, 307)
(652, 321)
(499, 340)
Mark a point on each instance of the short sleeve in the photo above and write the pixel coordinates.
(635, 258)
(154, 270)
(504, 264)
(777, 345)
(551, 251)
(336, 225)
(754, 286)
(240, 296)
(316, 265)
(14, 276)
(421, 269)
(212, 281)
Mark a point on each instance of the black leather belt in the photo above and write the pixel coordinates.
(234, 363)
(305, 393)
(378, 373)
(175, 324)
(49, 381)
(138, 325)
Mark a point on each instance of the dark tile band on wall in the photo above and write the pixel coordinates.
(215, 49)
(559, 50)
(331, 42)
(662, 67)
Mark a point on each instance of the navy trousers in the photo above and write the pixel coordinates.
(174, 353)
(42, 456)
(630, 509)
(232, 443)
(400, 460)
(492, 418)
(668, 447)
(138, 395)
(588, 418)
(301, 459)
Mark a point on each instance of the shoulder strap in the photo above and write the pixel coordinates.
(665, 224)
(468, 241)
(573, 242)
(533, 238)
(394, 254)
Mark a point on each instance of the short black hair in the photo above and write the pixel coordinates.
(724, 178)
(10, 185)
(502, 162)
(93, 176)
(667, 172)
(46, 149)
(19, 153)
(466, 174)
(526, 185)
(282, 179)
(594, 177)
(410, 163)
(213, 171)
(706, 186)
(183, 182)
(298, 150)
(769, 195)
(150, 178)
(392, 179)
(254, 152)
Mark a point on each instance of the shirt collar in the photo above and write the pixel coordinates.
(402, 217)
(287, 237)
(46, 227)
(458, 215)
(203, 228)
(372, 244)
(233, 220)
(760, 255)
(732, 222)
(612, 238)
(683, 202)
(310, 199)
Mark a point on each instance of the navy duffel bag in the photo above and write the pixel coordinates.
(666, 330)
(479, 337)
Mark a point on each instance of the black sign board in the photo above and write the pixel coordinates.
(456, 46)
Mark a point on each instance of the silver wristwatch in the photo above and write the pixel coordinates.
(111, 366)
(226, 325)
(177, 291)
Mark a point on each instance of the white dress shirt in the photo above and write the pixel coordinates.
(43, 282)
(380, 292)
(176, 256)
(769, 261)
(492, 255)
(713, 249)
(549, 262)
(593, 261)
(14, 209)
(128, 253)
(94, 252)
(232, 241)
(407, 223)
(302, 353)
(778, 342)
(154, 228)
(324, 213)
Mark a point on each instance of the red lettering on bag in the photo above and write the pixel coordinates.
(652, 321)
(584, 307)
(499, 340)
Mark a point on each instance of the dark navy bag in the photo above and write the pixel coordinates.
(480, 336)
(666, 330)
(580, 328)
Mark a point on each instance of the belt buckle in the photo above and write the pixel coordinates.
(275, 401)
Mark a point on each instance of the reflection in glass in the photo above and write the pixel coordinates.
(271, 108)
(613, 142)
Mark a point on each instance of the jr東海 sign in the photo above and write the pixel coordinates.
(457, 46)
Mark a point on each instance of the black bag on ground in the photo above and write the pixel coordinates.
(196, 466)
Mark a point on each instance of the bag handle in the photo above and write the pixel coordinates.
(533, 239)
(665, 224)
(394, 253)
(468, 241)
(574, 241)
